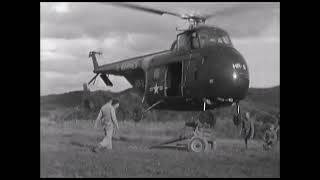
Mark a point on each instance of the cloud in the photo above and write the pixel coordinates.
(263, 58)
(61, 7)
(60, 54)
(54, 82)
(251, 40)
(65, 64)
(99, 20)
(96, 20)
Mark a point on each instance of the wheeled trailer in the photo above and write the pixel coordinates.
(200, 140)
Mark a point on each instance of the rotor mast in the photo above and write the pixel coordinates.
(195, 21)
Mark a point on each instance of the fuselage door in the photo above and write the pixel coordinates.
(191, 66)
(173, 77)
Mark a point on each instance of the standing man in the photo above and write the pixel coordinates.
(247, 129)
(107, 118)
(270, 137)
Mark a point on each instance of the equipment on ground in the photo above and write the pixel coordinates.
(195, 138)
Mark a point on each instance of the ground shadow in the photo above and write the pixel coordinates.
(182, 148)
(78, 144)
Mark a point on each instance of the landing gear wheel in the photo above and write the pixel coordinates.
(197, 145)
(237, 116)
(237, 119)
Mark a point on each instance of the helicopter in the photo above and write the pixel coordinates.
(201, 71)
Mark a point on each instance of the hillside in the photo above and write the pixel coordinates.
(258, 99)
(265, 96)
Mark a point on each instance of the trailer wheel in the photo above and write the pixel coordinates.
(197, 145)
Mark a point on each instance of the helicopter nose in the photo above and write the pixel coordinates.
(239, 84)
(237, 74)
(231, 75)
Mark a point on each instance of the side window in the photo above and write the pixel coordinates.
(203, 39)
(184, 42)
(195, 41)
(156, 73)
(174, 46)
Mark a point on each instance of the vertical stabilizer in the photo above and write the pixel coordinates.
(92, 54)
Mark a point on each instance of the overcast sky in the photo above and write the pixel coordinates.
(68, 31)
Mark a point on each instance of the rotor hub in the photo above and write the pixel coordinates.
(194, 21)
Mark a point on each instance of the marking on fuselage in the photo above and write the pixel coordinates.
(156, 88)
(239, 66)
(126, 66)
(139, 83)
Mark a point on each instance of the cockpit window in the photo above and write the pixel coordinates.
(212, 36)
(188, 41)
(226, 39)
(202, 38)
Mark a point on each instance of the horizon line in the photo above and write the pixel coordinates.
(131, 88)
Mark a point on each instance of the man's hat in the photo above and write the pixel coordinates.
(247, 114)
(271, 127)
(115, 101)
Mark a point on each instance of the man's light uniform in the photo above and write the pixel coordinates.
(107, 117)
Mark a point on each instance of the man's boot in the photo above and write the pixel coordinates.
(97, 149)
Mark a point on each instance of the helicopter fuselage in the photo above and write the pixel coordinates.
(197, 73)
(217, 73)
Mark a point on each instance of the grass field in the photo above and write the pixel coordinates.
(65, 152)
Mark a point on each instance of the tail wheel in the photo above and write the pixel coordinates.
(197, 145)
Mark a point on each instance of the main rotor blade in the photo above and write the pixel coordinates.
(229, 11)
(145, 9)
(93, 79)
